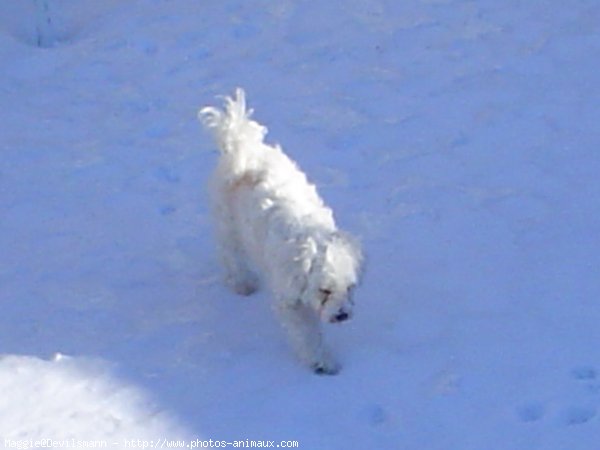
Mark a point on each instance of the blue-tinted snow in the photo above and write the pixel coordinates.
(458, 139)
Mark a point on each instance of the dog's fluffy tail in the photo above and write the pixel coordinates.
(233, 129)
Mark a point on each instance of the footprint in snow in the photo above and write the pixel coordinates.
(374, 415)
(587, 375)
(579, 415)
(167, 174)
(167, 210)
(584, 373)
(531, 412)
(574, 415)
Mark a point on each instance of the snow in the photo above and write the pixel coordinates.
(65, 399)
(457, 138)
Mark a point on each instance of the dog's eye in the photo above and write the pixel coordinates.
(326, 293)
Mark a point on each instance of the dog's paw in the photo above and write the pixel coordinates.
(245, 289)
(329, 367)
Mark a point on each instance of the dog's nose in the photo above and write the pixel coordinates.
(340, 317)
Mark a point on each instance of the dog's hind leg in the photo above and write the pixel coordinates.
(304, 332)
(241, 280)
(238, 274)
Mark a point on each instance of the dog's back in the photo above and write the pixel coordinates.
(247, 164)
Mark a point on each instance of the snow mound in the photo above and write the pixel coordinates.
(72, 398)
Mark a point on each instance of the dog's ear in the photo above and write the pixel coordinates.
(305, 252)
(348, 242)
(308, 251)
(343, 255)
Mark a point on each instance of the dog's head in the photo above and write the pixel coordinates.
(332, 279)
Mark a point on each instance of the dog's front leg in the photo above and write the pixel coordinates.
(304, 331)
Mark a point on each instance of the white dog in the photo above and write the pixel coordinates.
(273, 226)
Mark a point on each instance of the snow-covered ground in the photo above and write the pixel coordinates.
(459, 139)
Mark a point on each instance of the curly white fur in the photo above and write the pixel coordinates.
(273, 227)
